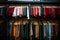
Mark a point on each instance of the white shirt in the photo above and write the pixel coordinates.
(16, 12)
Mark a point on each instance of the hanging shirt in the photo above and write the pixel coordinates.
(17, 24)
(10, 11)
(3, 11)
(22, 31)
(40, 31)
(36, 31)
(49, 12)
(28, 12)
(16, 11)
(18, 30)
(8, 28)
(26, 31)
(48, 31)
(35, 11)
(25, 11)
(45, 12)
(41, 11)
(44, 31)
(11, 28)
(31, 11)
(14, 31)
(53, 31)
(36, 26)
(33, 31)
(21, 11)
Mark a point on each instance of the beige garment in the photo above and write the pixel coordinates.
(36, 29)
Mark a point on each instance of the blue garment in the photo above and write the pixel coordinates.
(48, 31)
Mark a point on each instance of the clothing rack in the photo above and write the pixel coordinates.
(19, 3)
(16, 3)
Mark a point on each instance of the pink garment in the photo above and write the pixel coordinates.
(21, 11)
(35, 11)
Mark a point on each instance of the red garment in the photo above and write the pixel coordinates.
(10, 11)
(45, 14)
(35, 11)
(49, 12)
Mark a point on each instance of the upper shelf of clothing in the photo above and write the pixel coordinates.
(33, 11)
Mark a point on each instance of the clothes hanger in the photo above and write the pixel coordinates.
(57, 6)
(11, 6)
(51, 6)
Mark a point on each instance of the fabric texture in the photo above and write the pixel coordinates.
(10, 11)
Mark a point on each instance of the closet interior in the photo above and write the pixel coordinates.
(29, 20)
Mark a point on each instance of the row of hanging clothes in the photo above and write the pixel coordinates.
(33, 30)
(32, 11)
